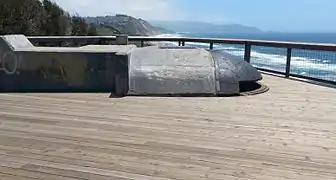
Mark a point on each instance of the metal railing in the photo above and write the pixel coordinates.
(311, 61)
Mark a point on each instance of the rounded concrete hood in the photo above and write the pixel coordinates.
(162, 71)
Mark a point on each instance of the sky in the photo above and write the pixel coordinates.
(268, 15)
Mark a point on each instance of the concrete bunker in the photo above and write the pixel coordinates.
(189, 71)
(122, 70)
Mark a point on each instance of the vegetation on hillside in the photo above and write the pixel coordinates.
(45, 17)
(35, 17)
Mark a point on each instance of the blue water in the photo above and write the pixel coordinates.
(293, 37)
(318, 64)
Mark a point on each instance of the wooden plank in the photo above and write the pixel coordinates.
(5, 176)
(286, 133)
(14, 173)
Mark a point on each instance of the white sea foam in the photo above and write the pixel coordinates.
(168, 35)
(167, 43)
(302, 65)
(296, 62)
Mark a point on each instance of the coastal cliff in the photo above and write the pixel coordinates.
(124, 24)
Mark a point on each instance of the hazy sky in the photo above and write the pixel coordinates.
(278, 15)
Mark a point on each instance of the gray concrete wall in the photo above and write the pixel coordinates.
(39, 69)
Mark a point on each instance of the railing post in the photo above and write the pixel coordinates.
(183, 43)
(102, 42)
(247, 55)
(288, 62)
(142, 43)
(211, 46)
(179, 43)
(122, 40)
(111, 41)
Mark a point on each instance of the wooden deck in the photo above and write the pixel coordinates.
(286, 133)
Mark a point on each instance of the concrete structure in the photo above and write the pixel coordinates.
(184, 70)
(231, 72)
(155, 70)
(122, 40)
(25, 68)
(120, 69)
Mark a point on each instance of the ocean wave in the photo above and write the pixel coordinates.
(273, 59)
(296, 62)
(169, 35)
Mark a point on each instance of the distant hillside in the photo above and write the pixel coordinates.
(124, 24)
(45, 17)
(201, 27)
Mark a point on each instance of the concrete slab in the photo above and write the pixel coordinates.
(17, 42)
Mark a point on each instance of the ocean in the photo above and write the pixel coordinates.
(317, 64)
